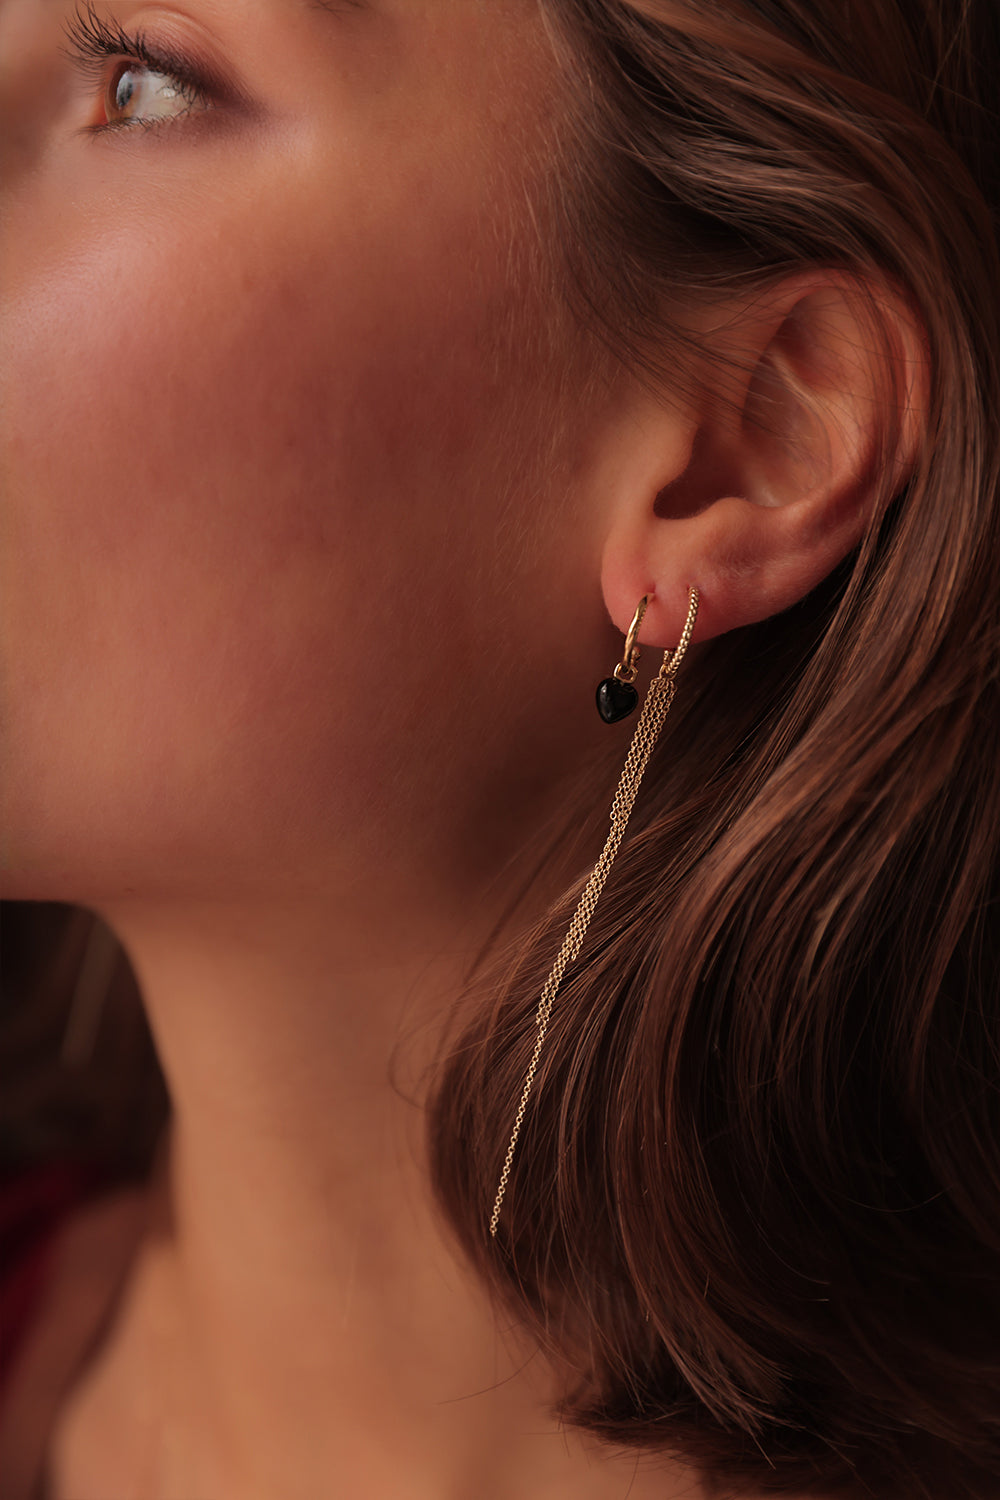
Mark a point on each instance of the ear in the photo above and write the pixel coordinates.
(758, 487)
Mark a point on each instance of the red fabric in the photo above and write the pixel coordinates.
(33, 1207)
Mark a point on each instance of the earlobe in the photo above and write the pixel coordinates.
(817, 423)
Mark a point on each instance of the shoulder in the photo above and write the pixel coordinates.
(66, 1244)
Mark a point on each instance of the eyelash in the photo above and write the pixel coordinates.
(91, 41)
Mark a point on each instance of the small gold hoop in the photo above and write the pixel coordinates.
(627, 669)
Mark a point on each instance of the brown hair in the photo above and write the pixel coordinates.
(81, 1082)
(755, 1210)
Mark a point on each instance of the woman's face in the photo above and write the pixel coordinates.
(299, 558)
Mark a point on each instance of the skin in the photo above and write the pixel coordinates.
(313, 550)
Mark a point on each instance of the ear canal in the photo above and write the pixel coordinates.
(712, 470)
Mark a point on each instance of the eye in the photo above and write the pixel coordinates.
(147, 86)
(138, 95)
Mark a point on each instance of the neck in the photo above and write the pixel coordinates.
(313, 1323)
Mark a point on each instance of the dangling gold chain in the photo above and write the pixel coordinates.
(659, 697)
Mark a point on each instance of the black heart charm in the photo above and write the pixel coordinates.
(615, 700)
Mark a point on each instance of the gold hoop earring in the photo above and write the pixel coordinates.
(616, 697)
(659, 697)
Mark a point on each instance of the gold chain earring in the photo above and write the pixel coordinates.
(616, 698)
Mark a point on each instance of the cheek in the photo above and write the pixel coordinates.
(245, 483)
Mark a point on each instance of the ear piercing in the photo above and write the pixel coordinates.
(616, 698)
